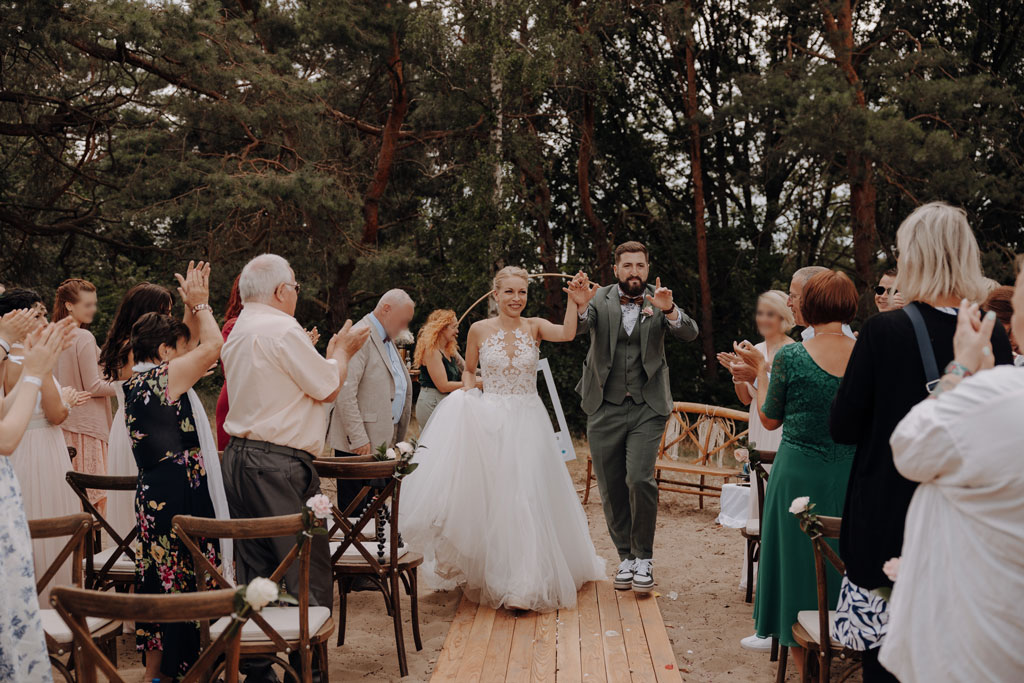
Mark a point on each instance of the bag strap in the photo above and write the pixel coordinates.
(924, 344)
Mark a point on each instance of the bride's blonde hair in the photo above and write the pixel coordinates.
(507, 272)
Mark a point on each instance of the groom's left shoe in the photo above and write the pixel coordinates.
(643, 576)
(624, 575)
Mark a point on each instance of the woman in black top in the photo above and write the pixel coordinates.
(939, 267)
(438, 359)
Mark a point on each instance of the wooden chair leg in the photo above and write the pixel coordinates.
(775, 650)
(590, 469)
(342, 611)
(750, 571)
(415, 607)
(783, 657)
(396, 612)
(322, 656)
(307, 663)
(701, 496)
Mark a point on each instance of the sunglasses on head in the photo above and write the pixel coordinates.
(880, 290)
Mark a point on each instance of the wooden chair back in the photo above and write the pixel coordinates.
(697, 423)
(382, 509)
(75, 604)
(81, 483)
(77, 528)
(759, 474)
(189, 528)
(828, 528)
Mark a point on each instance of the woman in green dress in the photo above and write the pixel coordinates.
(437, 356)
(805, 378)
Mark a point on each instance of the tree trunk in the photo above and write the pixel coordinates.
(860, 167)
(697, 177)
(602, 245)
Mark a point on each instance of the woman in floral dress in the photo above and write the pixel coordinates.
(23, 655)
(160, 413)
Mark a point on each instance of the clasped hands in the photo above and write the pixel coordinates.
(744, 363)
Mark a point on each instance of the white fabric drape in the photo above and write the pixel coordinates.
(214, 478)
(955, 609)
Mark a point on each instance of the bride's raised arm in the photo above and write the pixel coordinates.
(472, 356)
(580, 291)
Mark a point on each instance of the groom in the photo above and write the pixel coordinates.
(626, 397)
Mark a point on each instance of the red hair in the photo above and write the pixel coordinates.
(69, 292)
(234, 301)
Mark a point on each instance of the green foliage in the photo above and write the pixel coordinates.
(136, 134)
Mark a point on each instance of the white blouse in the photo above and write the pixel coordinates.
(955, 610)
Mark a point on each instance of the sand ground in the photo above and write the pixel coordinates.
(696, 560)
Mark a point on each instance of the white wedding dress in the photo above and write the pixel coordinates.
(491, 506)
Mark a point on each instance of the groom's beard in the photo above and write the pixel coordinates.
(633, 286)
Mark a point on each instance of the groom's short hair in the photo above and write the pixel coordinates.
(631, 248)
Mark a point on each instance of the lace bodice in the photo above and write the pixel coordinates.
(509, 367)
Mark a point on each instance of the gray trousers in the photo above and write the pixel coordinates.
(624, 447)
(265, 480)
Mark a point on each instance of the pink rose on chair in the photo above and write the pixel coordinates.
(892, 568)
(320, 505)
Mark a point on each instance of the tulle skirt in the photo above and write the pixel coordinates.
(41, 463)
(493, 508)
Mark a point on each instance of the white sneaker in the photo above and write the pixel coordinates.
(624, 575)
(756, 643)
(643, 576)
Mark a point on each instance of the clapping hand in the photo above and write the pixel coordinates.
(581, 290)
(740, 371)
(43, 347)
(15, 325)
(73, 397)
(662, 297)
(194, 287)
(314, 335)
(972, 342)
(348, 340)
(750, 355)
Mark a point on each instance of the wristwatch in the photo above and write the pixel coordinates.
(201, 307)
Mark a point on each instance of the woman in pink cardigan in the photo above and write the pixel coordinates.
(88, 425)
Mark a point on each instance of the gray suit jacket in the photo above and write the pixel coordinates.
(362, 410)
(604, 317)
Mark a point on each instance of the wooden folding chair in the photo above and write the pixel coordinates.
(58, 636)
(76, 606)
(115, 566)
(383, 561)
(812, 627)
(273, 630)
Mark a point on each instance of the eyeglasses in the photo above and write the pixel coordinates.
(880, 290)
(296, 285)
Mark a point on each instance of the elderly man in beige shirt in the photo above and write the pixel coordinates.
(280, 390)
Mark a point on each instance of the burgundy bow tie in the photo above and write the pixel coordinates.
(386, 339)
(626, 300)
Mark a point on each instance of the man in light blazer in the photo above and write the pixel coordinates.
(627, 399)
(375, 403)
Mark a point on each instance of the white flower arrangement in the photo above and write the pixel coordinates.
(741, 455)
(405, 447)
(260, 592)
(320, 505)
(403, 452)
(799, 505)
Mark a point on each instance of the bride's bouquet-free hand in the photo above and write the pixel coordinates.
(403, 452)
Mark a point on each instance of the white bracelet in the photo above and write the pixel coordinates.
(32, 379)
(5, 346)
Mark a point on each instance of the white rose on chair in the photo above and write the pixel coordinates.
(260, 592)
(799, 505)
(742, 455)
(404, 447)
(320, 505)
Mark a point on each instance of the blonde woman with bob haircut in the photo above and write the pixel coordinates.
(939, 273)
(437, 357)
(492, 506)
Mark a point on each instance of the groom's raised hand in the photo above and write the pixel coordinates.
(581, 290)
(662, 297)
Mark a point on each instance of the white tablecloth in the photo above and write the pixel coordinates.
(735, 506)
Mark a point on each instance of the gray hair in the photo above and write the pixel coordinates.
(261, 277)
(395, 298)
(807, 272)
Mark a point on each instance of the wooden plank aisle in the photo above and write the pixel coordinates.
(610, 636)
(637, 650)
(448, 662)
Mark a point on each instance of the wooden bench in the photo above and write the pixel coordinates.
(713, 430)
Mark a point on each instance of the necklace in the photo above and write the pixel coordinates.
(834, 334)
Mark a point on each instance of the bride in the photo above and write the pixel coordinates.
(492, 506)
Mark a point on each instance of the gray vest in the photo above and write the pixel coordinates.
(627, 375)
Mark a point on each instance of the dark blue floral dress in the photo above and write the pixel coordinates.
(172, 481)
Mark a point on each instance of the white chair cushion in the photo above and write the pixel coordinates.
(369, 530)
(284, 620)
(754, 527)
(809, 620)
(352, 553)
(122, 564)
(57, 629)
